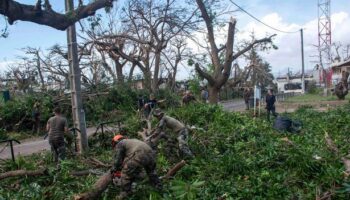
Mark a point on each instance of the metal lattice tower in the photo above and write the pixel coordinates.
(324, 32)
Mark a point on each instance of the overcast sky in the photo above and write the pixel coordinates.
(287, 15)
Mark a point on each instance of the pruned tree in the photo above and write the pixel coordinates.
(176, 52)
(151, 25)
(106, 46)
(340, 52)
(22, 75)
(222, 65)
(346, 51)
(35, 60)
(43, 13)
(260, 70)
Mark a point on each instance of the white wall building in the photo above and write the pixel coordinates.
(337, 69)
(288, 84)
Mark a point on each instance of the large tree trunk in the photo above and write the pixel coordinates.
(173, 80)
(156, 73)
(213, 94)
(119, 69)
(147, 79)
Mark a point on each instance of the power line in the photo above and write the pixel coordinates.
(252, 16)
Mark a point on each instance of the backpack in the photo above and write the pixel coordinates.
(285, 124)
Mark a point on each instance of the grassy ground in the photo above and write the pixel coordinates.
(313, 98)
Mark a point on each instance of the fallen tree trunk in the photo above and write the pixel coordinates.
(100, 186)
(22, 172)
(335, 150)
(103, 182)
(85, 173)
(174, 169)
(98, 163)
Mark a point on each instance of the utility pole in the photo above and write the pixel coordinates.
(302, 62)
(75, 83)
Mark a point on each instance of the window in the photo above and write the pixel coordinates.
(292, 86)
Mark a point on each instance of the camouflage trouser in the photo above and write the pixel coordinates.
(183, 146)
(58, 150)
(132, 169)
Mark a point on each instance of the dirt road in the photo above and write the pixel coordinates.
(35, 145)
(233, 105)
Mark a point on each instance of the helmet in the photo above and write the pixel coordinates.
(116, 139)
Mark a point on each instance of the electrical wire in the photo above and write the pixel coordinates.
(252, 16)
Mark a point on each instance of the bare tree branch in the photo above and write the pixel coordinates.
(247, 48)
(204, 74)
(17, 11)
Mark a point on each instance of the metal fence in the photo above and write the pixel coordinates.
(281, 97)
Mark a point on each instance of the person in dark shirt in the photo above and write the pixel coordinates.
(246, 95)
(36, 117)
(149, 106)
(140, 102)
(270, 104)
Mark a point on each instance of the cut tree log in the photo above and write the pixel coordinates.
(85, 172)
(22, 172)
(97, 189)
(174, 169)
(103, 182)
(98, 163)
(331, 144)
(335, 150)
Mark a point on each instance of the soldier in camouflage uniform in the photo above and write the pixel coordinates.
(57, 126)
(131, 156)
(176, 126)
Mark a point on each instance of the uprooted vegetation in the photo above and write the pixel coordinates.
(237, 157)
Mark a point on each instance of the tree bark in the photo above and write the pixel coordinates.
(156, 72)
(213, 94)
(17, 11)
(131, 73)
(119, 69)
(84, 173)
(97, 189)
(22, 172)
(38, 66)
(335, 150)
(147, 79)
(175, 169)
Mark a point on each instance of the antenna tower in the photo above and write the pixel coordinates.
(324, 33)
